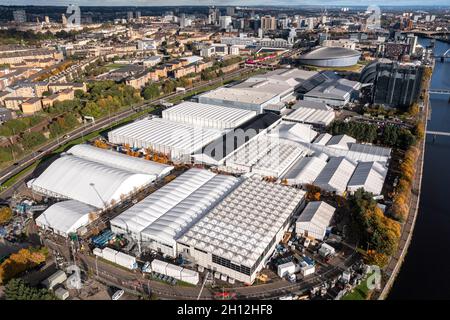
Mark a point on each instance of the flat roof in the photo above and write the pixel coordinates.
(240, 95)
(241, 227)
(148, 132)
(188, 112)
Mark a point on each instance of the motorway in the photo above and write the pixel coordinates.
(103, 123)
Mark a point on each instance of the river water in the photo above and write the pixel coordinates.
(424, 274)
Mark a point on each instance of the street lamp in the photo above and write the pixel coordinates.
(98, 194)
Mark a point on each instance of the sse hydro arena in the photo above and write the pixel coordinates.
(330, 57)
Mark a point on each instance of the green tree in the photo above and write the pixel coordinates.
(151, 91)
(32, 139)
(17, 289)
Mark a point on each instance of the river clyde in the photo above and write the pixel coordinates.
(424, 273)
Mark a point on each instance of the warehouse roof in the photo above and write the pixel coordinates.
(87, 181)
(341, 141)
(311, 105)
(119, 160)
(305, 171)
(335, 175)
(334, 89)
(66, 216)
(241, 227)
(294, 132)
(240, 95)
(369, 176)
(318, 213)
(148, 132)
(169, 210)
(323, 139)
(228, 143)
(292, 76)
(205, 114)
(315, 114)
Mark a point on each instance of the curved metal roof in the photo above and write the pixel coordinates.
(119, 160)
(87, 181)
(325, 53)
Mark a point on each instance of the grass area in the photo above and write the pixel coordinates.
(115, 66)
(360, 292)
(11, 181)
(354, 68)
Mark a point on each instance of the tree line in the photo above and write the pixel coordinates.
(388, 135)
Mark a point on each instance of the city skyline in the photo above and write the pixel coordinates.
(398, 3)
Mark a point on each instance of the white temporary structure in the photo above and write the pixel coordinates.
(369, 176)
(311, 112)
(66, 217)
(119, 160)
(305, 171)
(314, 220)
(239, 234)
(90, 182)
(162, 216)
(177, 140)
(335, 175)
(207, 115)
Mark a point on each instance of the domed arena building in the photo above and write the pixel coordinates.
(330, 57)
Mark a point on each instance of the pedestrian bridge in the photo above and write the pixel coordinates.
(439, 133)
(439, 91)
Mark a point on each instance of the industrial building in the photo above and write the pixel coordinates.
(240, 98)
(119, 160)
(368, 175)
(334, 92)
(215, 152)
(176, 140)
(314, 220)
(238, 236)
(93, 183)
(66, 217)
(156, 221)
(305, 171)
(207, 116)
(331, 57)
(335, 175)
(269, 91)
(311, 112)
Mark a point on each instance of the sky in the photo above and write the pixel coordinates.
(223, 2)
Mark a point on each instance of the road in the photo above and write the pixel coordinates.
(100, 124)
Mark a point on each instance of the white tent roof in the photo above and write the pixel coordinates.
(323, 139)
(119, 160)
(294, 131)
(311, 115)
(66, 216)
(368, 175)
(317, 213)
(241, 227)
(89, 182)
(193, 112)
(169, 210)
(335, 175)
(305, 171)
(341, 141)
(161, 132)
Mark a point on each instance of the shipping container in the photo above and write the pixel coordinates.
(126, 261)
(159, 266)
(97, 252)
(173, 271)
(62, 294)
(109, 254)
(190, 276)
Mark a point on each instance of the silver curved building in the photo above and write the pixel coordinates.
(331, 57)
